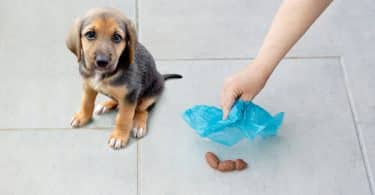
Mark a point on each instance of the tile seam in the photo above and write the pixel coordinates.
(358, 131)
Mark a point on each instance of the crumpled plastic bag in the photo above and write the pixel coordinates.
(245, 120)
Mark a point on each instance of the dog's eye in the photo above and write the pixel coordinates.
(90, 35)
(116, 38)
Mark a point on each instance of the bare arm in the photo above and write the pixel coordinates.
(291, 21)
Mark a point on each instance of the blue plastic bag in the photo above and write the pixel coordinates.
(245, 120)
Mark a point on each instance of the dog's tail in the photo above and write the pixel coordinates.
(171, 76)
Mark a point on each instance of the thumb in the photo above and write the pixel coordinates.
(227, 103)
(225, 113)
(247, 97)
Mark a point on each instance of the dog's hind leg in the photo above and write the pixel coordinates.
(105, 106)
(141, 116)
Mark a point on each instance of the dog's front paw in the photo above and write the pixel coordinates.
(140, 125)
(79, 119)
(119, 139)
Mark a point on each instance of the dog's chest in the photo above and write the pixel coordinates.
(97, 83)
(100, 85)
(103, 86)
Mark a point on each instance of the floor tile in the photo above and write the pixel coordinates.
(368, 135)
(220, 29)
(359, 64)
(65, 162)
(43, 101)
(316, 152)
(33, 33)
(360, 71)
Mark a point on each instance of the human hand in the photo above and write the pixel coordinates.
(245, 84)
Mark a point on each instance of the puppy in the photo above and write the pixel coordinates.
(112, 62)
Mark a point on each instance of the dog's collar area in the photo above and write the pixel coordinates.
(92, 73)
(108, 74)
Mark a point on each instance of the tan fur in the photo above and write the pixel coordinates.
(104, 29)
(73, 40)
(103, 86)
(82, 47)
(124, 122)
(125, 115)
(109, 104)
(145, 103)
(141, 113)
(87, 106)
(131, 34)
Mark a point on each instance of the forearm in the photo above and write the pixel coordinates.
(291, 21)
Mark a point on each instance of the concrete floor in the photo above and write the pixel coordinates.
(325, 146)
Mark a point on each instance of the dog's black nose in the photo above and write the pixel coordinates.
(101, 61)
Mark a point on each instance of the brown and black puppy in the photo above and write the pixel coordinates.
(113, 63)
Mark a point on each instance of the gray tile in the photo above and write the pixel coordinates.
(360, 71)
(40, 85)
(359, 64)
(316, 151)
(221, 28)
(207, 29)
(342, 28)
(368, 135)
(33, 33)
(358, 60)
(43, 101)
(65, 162)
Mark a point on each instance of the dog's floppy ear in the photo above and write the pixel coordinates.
(73, 40)
(131, 41)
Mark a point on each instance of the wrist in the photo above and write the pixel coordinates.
(261, 69)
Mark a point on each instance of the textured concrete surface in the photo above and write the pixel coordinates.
(317, 151)
(325, 86)
(65, 162)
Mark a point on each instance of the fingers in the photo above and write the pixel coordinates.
(247, 97)
(227, 99)
(226, 109)
(229, 96)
